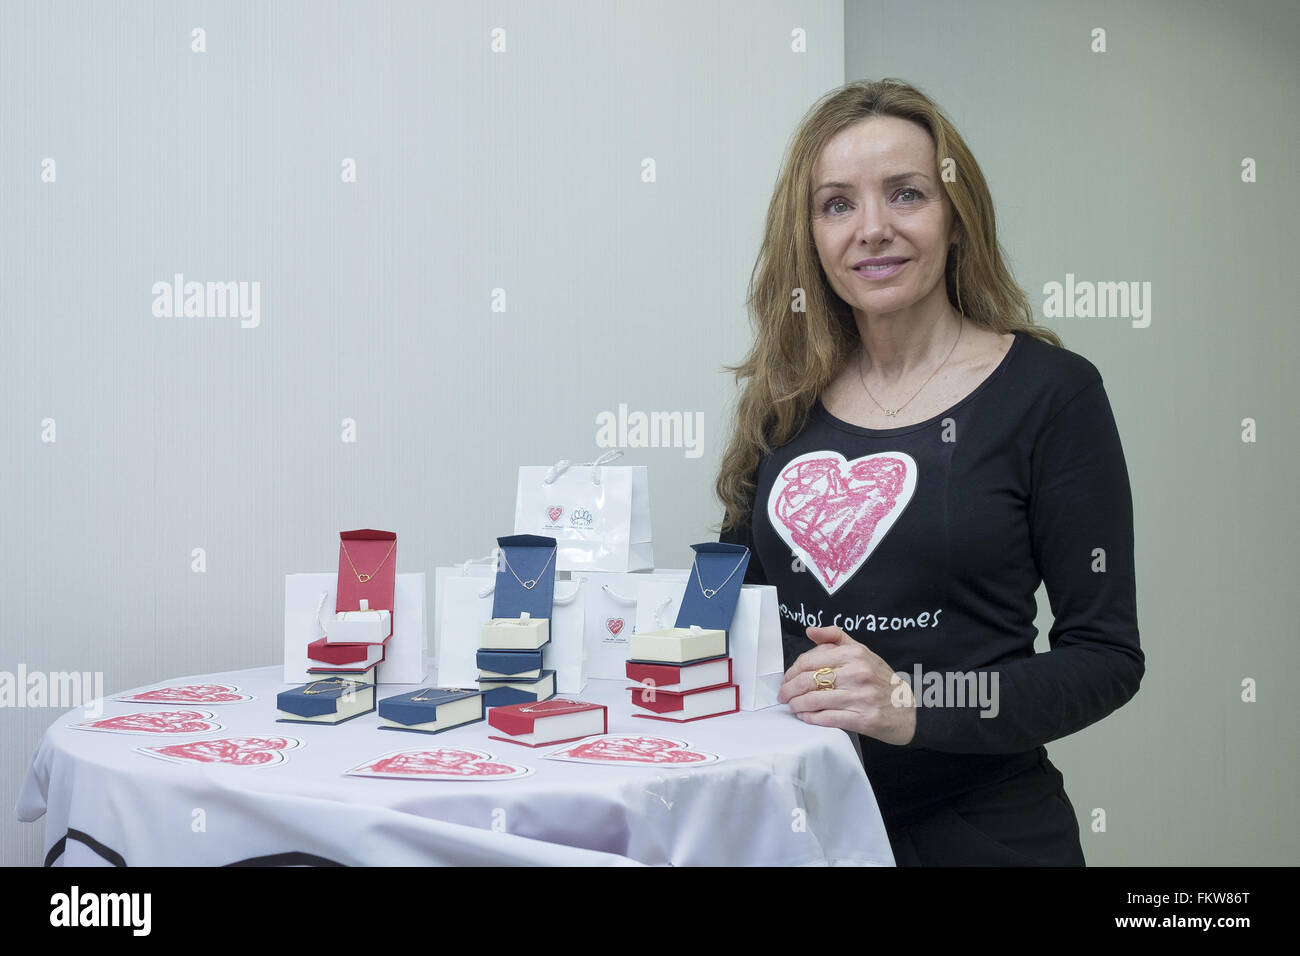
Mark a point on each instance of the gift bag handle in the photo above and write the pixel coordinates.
(486, 559)
(570, 599)
(563, 465)
(320, 605)
(659, 611)
(619, 598)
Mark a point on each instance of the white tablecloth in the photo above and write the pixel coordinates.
(784, 794)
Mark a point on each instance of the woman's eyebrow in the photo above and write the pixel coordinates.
(888, 181)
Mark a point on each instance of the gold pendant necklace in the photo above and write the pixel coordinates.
(361, 577)
(890, 413)
(333, 683)
(709, 592)
(531, 582)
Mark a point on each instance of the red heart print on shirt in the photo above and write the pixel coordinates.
(833, 512)
(236, 751)
(614, 625)
(554, 513)
(632, 749)
(158, 722)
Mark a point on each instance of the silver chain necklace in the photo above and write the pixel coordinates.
(531, 582)
(709, 592)
(891, 414)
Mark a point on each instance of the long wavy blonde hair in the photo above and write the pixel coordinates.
(796, 354)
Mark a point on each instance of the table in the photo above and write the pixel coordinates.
(785, 794)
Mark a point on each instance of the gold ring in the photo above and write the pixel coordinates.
(820, 679)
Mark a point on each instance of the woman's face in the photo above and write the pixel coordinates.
(878, 196)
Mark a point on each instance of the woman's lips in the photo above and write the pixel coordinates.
(880, 272)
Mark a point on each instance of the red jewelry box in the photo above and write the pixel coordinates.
(676, 707)
(374, 556)
(551, 720)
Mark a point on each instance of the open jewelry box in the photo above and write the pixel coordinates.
(367, 581)
(523, 596)
(707, 609)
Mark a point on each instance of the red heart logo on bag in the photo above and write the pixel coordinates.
(236, 751)
(614, 625)
(634, 749)
(441, 762)
(554, 513)
(190, 694)
(833, 513)
(159, 722)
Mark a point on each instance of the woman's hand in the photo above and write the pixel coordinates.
(868, 698)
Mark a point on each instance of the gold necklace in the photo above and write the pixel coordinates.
(333, 683)
(540, 706)
(709, 592)
(363, 578)
(445, 690)
(531, 582)
(891, 414)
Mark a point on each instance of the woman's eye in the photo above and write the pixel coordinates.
(909, 189)
(834, 202)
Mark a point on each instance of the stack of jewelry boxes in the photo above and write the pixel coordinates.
(510, 648)
(356, 638)
(684, 673)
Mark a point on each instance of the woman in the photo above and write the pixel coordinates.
(911, 457)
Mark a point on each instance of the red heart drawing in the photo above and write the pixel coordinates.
(833, 513)
(190, 694)
(237, 751)
(159, 722)
(614, 625)
(633, 749)
(554, 512)
(441, 762)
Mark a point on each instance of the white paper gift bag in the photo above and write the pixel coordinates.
(482, 568)
(609, 605)
(304, 606)
(466, 605)
(598, 514)
(566, 654)
(753, 641)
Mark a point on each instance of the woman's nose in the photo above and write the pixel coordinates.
(873, 223)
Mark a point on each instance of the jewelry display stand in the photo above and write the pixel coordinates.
(522, 605)
(692, 657)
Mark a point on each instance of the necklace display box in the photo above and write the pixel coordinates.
(403, 654)
(431, 710)
(325, 658)
(509, 665)
(708, 606)
(693, 655)
(688, 705)
(524, 594)
(367, 584)
(498, 693)
(548, 722)
(331, 700)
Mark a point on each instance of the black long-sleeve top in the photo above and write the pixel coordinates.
(928, 542)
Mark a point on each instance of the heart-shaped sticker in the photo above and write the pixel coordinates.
(614, 625)
(158, 722)
(440, 763)
(235, 751)
(554, 512)
(634, 749)
(188, 694)
(833, 513)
